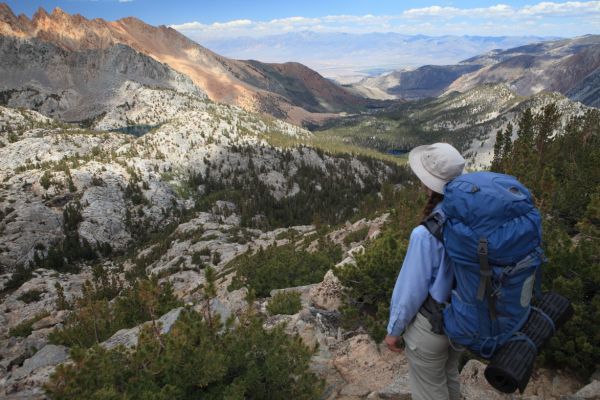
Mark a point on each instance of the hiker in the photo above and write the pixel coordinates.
(424, 283)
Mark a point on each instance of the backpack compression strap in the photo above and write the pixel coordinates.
(434, 225)
(485, 280)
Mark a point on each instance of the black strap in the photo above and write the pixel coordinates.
(434, 224)
(485, 280)
(433, 311)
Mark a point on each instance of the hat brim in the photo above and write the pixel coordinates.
(414, 160)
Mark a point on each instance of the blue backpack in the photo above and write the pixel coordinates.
(492, 232)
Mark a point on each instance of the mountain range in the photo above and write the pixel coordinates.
(349, 57)
(132, 156)
(567, 66)
(290, 91)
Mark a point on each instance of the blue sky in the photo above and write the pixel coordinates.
(230, 18)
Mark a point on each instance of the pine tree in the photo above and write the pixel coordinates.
(498, 151)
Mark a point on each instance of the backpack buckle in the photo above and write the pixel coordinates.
(482, 248)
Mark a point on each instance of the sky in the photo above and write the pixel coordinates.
(202, 19)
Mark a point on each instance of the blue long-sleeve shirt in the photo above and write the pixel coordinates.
(426, 269)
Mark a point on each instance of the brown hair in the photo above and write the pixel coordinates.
(434, 199)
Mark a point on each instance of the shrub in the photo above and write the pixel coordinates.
(216, 258)
(30, 296)
(20, 275)
(282, 267)
(61, 300)
(24, 329)
(284, 303)
(197, 259)
(46, 180)
(192, 362)
(356, 236)
(96, 318)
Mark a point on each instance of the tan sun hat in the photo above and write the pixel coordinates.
(436, 164)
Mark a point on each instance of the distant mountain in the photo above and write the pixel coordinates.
(348, 57)
(255, 86)
(426, 81)
(568, 66)
(565, 66)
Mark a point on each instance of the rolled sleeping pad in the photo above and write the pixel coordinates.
(511, 366)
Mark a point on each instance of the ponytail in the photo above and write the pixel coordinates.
(434, 199)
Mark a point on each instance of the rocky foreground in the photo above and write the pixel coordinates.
(353, 365)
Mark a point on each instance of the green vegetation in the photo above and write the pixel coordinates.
(63, 255)
(61, 300)
(24, 329)
(193, 361)
(284, 303)
(20, 275)
(327, 196)
(197, 259)
(356, 236)
(369, 284)
(108, 305)
(455, 118)
(31, 296)
(46, 180)
(332, 143)
(199, 358)
(282, 267)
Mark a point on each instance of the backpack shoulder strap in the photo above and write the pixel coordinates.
(434, 224)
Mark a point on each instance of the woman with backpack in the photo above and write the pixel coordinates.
(425, 281)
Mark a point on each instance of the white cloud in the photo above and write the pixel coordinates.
(552, 18)
(568, 8)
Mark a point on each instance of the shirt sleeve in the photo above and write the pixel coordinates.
(415, 278)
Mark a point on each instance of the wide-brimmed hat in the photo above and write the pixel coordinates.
(436, 164)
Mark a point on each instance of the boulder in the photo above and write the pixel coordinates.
(544, 384)
(129, 337)
(361, 361)
(327, 295)
(397, 390)
(49, 355)
(589, 392)
(50, 321)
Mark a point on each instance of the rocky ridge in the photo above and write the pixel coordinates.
(564, 66)
(117, 180)
(423, 82)
(290, 91)
(567, 66)
(111, 190)
(88, 85)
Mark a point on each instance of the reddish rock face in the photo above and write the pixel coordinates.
(289, 91)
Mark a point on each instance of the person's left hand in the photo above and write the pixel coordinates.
(393, 343)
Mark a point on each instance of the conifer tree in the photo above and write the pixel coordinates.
(498, 151)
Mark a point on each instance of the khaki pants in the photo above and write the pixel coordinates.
(433, 363)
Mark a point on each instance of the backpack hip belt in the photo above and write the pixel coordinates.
(433, 311)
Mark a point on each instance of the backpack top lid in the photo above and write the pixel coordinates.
(493, 206)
